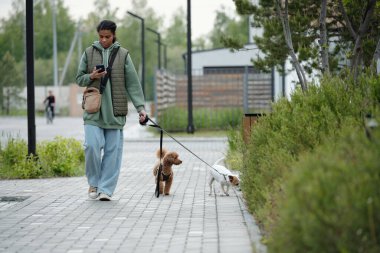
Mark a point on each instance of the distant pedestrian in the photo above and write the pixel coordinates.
(50, 103)
(104, 129)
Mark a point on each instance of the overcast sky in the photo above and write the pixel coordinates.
(202, 11)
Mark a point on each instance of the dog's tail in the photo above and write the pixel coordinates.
(164, 151)
(220, 159)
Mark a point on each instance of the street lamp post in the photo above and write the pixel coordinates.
(158, 45)
(142, 48)
(30, 78)
(55, 52)
(190, 126)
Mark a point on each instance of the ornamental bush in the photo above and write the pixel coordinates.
(62, 157)
(332, 198)
(296, 129)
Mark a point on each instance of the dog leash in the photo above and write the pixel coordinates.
(157, 191)
(161, 133)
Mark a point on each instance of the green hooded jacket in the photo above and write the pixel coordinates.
(105, 117)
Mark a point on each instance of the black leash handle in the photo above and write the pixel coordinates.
(145, 121)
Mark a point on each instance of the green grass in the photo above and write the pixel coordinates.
(175, 119)
(197, 134)
(40, 113)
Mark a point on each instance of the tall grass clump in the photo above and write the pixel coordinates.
(293, 129)
(62, 157)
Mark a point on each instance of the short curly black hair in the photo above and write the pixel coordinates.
(107, 25)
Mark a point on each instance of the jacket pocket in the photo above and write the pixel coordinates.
(91, 116)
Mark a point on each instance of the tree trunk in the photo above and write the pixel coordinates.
(288, 39)
(376, 56)
(1, 98)
(357, 52)
(323, 39)
(8, 102)
(347, 20)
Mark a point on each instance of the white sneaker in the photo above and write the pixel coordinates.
(92, 192)
(104, 197)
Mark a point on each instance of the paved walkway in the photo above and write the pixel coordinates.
(55, 215)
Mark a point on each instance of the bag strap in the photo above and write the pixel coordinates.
(104, 80)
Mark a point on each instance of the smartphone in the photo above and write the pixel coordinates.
(100, 68)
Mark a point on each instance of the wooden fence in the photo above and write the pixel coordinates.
(253, 93)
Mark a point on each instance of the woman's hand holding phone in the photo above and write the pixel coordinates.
(100, 68)
(98, 72)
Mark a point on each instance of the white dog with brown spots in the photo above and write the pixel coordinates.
(223, 176)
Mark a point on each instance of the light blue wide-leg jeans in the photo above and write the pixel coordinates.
(103, 151)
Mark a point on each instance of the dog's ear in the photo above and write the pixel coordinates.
(168, 159)
(233, 180)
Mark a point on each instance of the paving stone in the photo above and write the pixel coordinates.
(57, 216)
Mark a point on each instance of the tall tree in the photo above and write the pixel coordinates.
(229, 29)
(65, 30)
(283, 14)
(102, 10)
(43, 28)
(12, 31)
(176, 39)
(304, 21)
(11, 82)
(376, 56)
(200, 43)
(323, 38)
(364, 27)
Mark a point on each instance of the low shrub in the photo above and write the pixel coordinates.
(295, 128)
(15, 162)
(63, 157)
(60, 157)
(331, 198)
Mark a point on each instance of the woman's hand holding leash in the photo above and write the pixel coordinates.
(143, 117)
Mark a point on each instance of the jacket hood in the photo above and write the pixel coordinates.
(97, 45)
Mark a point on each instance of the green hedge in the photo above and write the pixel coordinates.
(62, 157)
(332, 199)
(296, 128)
